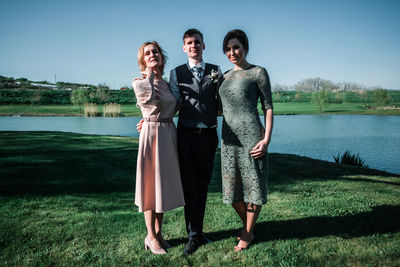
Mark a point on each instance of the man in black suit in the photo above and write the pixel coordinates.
(195, 85)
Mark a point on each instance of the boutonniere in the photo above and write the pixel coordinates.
(214, 76)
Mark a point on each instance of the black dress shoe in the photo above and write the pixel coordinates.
(191, 246)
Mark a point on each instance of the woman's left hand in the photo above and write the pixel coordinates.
(259, 150)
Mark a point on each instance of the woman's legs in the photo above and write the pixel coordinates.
(158, 222)
(158, 226)
(247, 237)
(251, 215)
(153, 222)
(240, 208)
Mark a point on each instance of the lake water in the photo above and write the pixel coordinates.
(375, 138)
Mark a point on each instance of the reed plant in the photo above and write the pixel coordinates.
(112, 110)
(350, 159)
(91, 110)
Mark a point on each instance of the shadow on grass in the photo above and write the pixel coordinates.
(381, 220)
(49, 163)
(289, 168)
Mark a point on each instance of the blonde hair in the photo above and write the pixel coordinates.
(140, 55)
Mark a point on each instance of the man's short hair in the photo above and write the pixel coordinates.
(191, 32)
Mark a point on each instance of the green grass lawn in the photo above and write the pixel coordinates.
(44, 110)
(305, 108)
(290, 108)
(67, 200)
(57, 110)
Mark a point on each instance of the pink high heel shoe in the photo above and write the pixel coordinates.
(148, 245)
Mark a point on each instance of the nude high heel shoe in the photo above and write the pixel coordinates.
(148, 245)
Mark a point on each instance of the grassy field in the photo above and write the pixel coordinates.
(57, 110)
(290, 108)
(299, 108)
(67, 200)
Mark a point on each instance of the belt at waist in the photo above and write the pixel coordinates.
(154, 119)
(196, 130)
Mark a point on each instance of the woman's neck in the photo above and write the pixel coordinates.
(157, 74)
(242, 66)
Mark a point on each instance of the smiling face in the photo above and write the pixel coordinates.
(235, 52)
(152, 57)
(193, 46)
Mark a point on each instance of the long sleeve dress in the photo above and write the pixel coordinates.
(243, 177)
(158, 182)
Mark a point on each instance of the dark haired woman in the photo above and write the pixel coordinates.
(158, 182)
(244, 139)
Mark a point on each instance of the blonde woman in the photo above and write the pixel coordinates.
(158, 182)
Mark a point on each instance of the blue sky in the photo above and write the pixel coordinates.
(97, 41)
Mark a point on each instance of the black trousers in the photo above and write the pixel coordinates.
(196, 159)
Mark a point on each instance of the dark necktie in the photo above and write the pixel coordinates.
(197, 72)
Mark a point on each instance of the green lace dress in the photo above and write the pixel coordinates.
(243, 177)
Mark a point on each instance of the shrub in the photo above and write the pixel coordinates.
(112, 110)
(350, 159)
(25, 96)
(36, 97)
(299, 96)
(63, 97)
(381, 97)
(321, 98)
(351, 97)
(91, 110)
(363, 96)
(79, 97)
(276, 96)
(122, 97)
(338, 98)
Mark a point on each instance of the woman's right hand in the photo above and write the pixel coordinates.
(147, 73)
(139, 125)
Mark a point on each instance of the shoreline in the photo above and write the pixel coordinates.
(288, 108)
(139, 115)
(384, 172)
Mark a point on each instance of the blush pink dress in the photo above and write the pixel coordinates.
(158, 181)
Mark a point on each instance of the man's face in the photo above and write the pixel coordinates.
(193, 46)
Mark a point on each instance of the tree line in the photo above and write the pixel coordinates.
(66, 97)
(323, 92)
(320, 91)
(316, 84)
(23, 83)
(24, 91)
